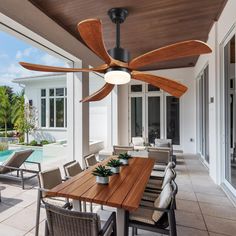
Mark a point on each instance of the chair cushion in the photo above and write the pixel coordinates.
(169, 175)
(55, 201)
(140, 148)
(159, 167)
(150, 196)
(158, 173)
(162, 143)
(162, 201)
(142, 215)
(138, 141)
(73, 169)
(154, 183)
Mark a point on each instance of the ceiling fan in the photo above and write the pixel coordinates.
(118, 67)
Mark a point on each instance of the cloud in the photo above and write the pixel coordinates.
(25, 53)
(48, 59)
(3, 56)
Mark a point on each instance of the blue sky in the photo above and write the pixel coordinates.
(14, 50)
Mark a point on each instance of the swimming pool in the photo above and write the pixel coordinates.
(37, 155)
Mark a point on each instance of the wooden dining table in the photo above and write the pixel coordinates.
(124, 191)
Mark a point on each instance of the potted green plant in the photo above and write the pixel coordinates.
(124, 158)
(102, 174)
(115, 165)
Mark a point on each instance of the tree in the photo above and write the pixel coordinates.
(24, 116)
(5, 111)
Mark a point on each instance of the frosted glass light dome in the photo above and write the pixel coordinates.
(117, 77)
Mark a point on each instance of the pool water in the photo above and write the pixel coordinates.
(36, 156)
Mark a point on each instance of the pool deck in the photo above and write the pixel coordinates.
(203, 209)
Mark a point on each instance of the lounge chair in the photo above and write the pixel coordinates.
(12, 167)
(61, 222)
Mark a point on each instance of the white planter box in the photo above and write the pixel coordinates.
(115, 170)
(124, 161)
(102, 180)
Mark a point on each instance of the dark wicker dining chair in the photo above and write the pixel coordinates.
(62, 222)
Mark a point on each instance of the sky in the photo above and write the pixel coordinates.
(14, 50)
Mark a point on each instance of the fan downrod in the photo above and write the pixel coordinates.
(118, 16)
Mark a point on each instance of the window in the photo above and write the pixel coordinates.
(43, 107)
(57, 107)
(136, 88)
(154, 114)
(152, 88)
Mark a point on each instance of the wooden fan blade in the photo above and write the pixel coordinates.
(170, 86)
(170, 52)
(100, 94)
(37, 67)
(91, 32)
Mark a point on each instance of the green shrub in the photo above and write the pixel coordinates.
(3, 146)
(33, 143)
(10, 134)
(44, 142)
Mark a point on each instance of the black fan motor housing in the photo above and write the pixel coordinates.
(120, 54)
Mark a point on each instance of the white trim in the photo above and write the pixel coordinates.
(227, 38)
(145, 94)
(21, 32)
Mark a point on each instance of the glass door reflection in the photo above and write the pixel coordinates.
(154, 118)
(136, 116)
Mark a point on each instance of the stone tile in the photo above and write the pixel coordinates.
(190, 220)
(10, 230)
(41, 229)
(22, 200)
(6, 211)
(185, 231)
(212, 199)
(188, 206)
(218, 211)
(215, 234)
(221, 226)
(209, 190)
(23, 220)
(184, 195)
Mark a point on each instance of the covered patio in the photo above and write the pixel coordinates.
(186, 99)
(202, 206)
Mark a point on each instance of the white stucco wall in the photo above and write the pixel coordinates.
(187, 108)
(218, 33)
(33, 92)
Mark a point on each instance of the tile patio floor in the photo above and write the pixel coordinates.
(203, 208)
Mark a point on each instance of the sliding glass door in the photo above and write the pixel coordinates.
(154, 118)
(230, 111)
(173, 119)
(137, 116)
(203, 114)
(153, 114)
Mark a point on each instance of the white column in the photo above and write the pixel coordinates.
(123, 114)
(114, 116)
(78, 116)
